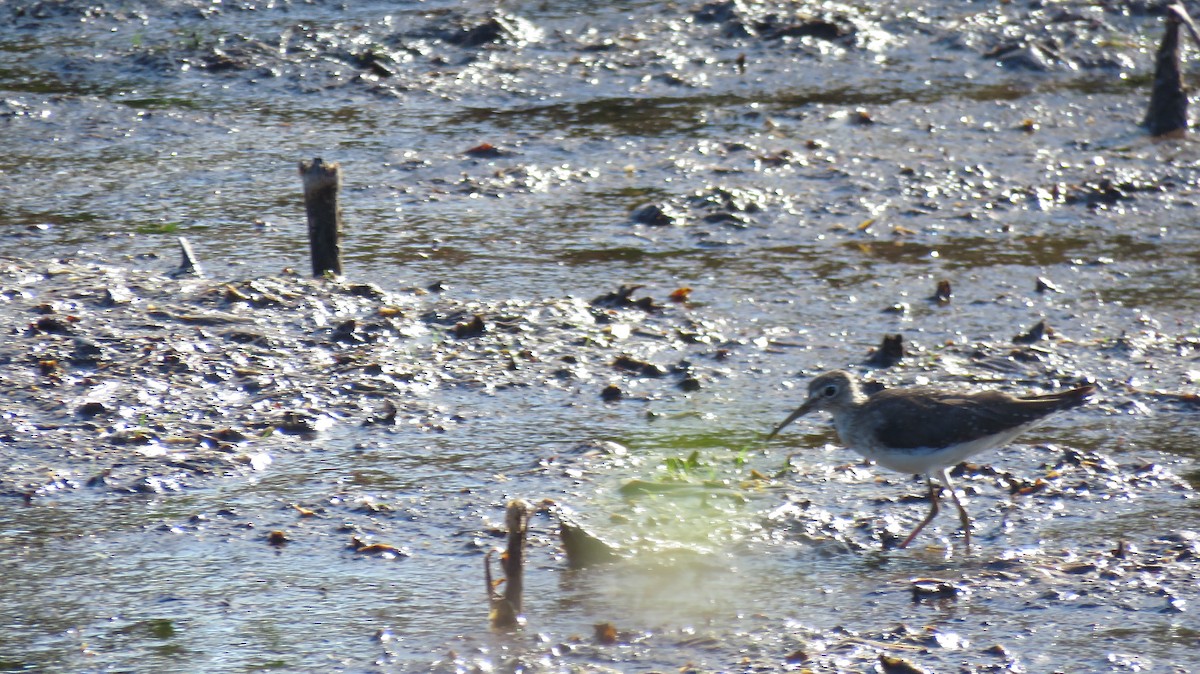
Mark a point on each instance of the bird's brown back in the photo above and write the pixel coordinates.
(927, 418)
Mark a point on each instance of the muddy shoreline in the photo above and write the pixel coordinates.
(142, 383)
(135, 377)
(813, 172)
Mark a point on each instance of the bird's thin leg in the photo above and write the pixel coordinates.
(962, 512)
(933, 499)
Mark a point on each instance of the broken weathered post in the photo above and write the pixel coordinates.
(189, 263)
(506, 608)
(1168, 111)
(321, 184)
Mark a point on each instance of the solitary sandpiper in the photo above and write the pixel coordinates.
(927, 430)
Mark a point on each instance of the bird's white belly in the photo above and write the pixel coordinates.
(920, 460)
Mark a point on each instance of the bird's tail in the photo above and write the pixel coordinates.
(1065, 400)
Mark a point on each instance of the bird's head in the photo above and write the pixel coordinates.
(830, 392)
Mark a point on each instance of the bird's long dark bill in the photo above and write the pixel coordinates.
(800, 411)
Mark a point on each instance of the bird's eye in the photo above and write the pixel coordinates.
(830, 391)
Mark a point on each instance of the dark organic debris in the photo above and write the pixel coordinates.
(1036, 333)
(824, 29)
(606, 633)
(997, 650)
(487, 151)
(278, 538)
(488, 31)
(611, 393)
(797, 657)
(217, 60)
(652, 214)
(943, 293)
(84, 351)
(52, 325)
(622, 298)
(296, 421)
(369, 290)
(890, 351)
(375, 61)
(891, 664)
(472, 328)
(385, 415)
(729, 205)
(228, 435)
(680, 295)
(741, 20)
(934, 588)
(91, 409)
(132, 435)
(1107, 191)
(347, 331)
(363, 548)
(640, 367)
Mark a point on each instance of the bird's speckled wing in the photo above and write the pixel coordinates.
(936, 419)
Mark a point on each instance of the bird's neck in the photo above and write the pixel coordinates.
(857, 397)
(846, 408)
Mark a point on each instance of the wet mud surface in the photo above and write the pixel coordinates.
(254, 470)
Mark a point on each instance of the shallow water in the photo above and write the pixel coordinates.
(795, 225)
(187, 582)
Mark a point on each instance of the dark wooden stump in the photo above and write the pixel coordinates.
(321, 184)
